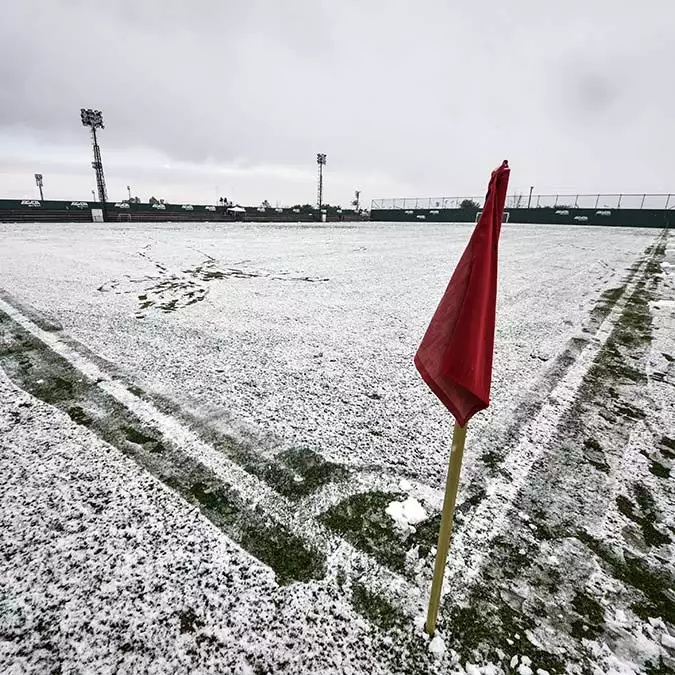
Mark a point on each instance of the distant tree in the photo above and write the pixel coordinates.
(153, 200)
(266, 204)
(469, 204)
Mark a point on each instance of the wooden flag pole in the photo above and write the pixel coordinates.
(445, 532)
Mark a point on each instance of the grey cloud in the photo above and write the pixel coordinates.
(432, 94)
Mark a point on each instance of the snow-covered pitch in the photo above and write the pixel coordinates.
(217, 456)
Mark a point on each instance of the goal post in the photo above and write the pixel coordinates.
(505, 217)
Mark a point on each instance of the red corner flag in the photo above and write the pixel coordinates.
(455, 356)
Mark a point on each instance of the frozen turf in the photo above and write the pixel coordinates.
(217, 455)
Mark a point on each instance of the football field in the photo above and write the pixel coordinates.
(217, 455)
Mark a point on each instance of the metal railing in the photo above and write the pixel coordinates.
(514, 201)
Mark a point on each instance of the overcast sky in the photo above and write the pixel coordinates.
(203, 98)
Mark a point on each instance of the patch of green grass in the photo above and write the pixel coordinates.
(668, 447)
(79, 416)
(375, 608)
(486, 622)
(645, 499)
(604, 305)
(516, 556)
(219, 500)
(268, 541)
(362, 520)
(658, 668)
(579, 343)
(611, 295)
(476, 497)
(426, 535)
(135, 435)
(632, 332)
(594, 454)
(314, 469)
(542, 525)
(592, 613)
(636, 572)
(285, 553)
(630, 412)
(294, 473)
(646, 521)
(491, 459)
(54, 388)
(627, 508)
(189, 621)
(652, 536)
(650, 513)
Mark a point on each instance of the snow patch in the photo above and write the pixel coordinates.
(668, 640)
(437, 646)
(406, 513)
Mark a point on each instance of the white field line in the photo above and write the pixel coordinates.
(253, 492)
(471, 544)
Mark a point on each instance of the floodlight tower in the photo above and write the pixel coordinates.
(38, 182)
(94, 120)
(321, 161)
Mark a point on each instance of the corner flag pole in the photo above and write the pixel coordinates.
(445, 532)
(455, 355)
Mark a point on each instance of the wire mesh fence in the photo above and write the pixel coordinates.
(558, 201)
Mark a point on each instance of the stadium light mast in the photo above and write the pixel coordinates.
(94, 120)
(321, 161)
(38, 182)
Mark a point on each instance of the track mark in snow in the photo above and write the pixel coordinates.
(171, 291)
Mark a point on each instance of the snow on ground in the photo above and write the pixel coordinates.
(105, 570)
(287, 352)
(318, 363)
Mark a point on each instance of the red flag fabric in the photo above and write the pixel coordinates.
(455, 356)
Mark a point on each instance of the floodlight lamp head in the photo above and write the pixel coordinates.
(321, 158)
(91, 118)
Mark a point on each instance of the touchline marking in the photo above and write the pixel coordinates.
(340, 554)
(471, 544)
